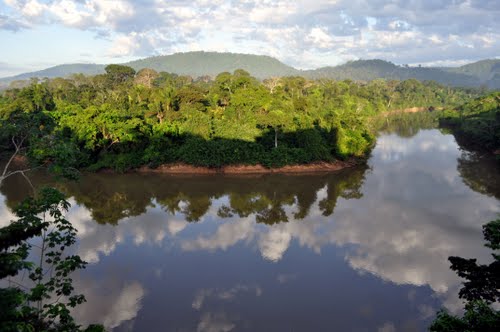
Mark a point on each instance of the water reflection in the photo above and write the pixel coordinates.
(111, 198)
(111, 301)
(362, 249)
(480, 173)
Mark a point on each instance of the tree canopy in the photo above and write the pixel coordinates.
(123, 119)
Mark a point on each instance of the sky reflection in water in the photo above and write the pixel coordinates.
(358, 250)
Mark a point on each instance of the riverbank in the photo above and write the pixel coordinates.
(180, 168)
(476, 124)
(412, 110)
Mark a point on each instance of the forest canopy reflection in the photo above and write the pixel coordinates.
(112, 198)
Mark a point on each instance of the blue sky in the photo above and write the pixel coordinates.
(36, 34)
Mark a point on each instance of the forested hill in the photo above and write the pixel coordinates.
(59, 71)
(198, 64)
(366, 70)
(488, 71)
(194, 64)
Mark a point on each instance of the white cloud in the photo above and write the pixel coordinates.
(227, 235)
(176, 226)
(319, 38)
(109, 303)
(215, 322)
(274, 243)
(33, 8)
(223, 294)
(6, 215)
(126, 306)
(302, 33)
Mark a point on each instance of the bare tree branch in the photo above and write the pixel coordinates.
(6, 168)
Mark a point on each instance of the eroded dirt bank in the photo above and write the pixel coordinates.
(411, 110)
(251, 169)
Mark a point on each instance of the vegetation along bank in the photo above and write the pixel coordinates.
(123, 120)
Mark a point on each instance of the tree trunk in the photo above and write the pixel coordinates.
(275, 137)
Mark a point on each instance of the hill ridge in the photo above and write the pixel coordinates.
(202, 63)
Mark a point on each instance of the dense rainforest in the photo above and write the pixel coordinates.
(476, 124)
(125, 119)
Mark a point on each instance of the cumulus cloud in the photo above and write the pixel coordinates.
(227, 235)
(395, 233)
(110, 302)
(298, 32)
(215, 322)
(274, 243)
(222, 294)
(11, 24)
(388, 232)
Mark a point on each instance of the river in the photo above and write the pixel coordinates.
(363, 249)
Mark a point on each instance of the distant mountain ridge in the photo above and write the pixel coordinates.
(367, 70)
(195, 64)
(60, 71)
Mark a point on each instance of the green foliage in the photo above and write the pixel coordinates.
(483, 69)
(121, 120)
(117, 74)
(482, 287)
(476, 123)
(478, 317)
(211, 63)
(43, 303)
(483, 281)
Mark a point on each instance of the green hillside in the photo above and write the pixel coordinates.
(60, 71)
(359, 70)
(195, 64)
(484, 69)
(367, 70)
(488, 72)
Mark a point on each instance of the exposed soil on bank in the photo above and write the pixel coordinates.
(412, 110)
(251, 169)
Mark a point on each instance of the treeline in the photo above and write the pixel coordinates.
(111, 198)
(476, 124)
(123, 119)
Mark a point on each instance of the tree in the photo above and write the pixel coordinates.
(222, 88)
(272, 83)
(19, 128)
(161, 102)
(146, 77)
(276, 118)
(43, 303)
(118, 74)
(480, 290)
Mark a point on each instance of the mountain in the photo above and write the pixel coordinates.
(59, 71)
(195, 64)
(212, 63)
(488, 71)
(484, 69)
(366, 70)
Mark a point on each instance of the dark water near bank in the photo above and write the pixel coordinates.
(363, 249)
